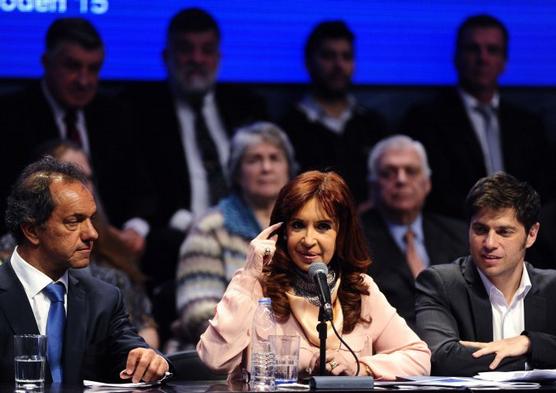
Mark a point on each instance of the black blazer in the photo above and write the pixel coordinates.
(317, 147)
(160, 145)
(158, 135)
(445, 240)
(456, 157)
(98, 334)
(27, 122)
(452, 304)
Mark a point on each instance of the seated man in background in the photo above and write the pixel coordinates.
(472, 131)
(183, 128)
(328, 128)
(404, 240)
(491, 310)
(50, 212)
(66, 104)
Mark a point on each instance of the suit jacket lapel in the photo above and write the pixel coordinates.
(43, 123)
(432, 245)
(76, 329)
(13, 302)
(480, 303)
(389, 248)
(534, 304)
(463, 138)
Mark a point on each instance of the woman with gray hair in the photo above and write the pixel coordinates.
(261, 162)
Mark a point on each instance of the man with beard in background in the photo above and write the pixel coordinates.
(183, 129)
(328, 128)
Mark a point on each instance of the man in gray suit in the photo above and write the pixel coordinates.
(402, 238)
(490, 310)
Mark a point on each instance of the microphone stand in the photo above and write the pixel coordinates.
(321, 328)
(334, 382)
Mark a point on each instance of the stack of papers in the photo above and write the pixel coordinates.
(454, 382)
(509, 376)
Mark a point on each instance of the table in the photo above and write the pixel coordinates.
(223, 386)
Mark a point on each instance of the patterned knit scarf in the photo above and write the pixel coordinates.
(305, 287)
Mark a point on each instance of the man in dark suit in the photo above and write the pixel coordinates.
(183, 128)
(491, 310)
(329, 129)
(65, 105)
(471, 131)
(399, 177)
(50, 212)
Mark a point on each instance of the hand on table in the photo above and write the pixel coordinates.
(514, 346)
(337, 363)
(144, 364)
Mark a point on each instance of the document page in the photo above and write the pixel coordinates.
(107, 385)
(537, 375)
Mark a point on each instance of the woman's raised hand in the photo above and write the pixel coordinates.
(262, 248)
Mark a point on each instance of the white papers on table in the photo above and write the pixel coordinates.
(453, 382)
(96, 385)
(530, 375)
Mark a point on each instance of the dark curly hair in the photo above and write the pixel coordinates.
(76, 30)
(30, 200)
(502, 191)
(351, 257)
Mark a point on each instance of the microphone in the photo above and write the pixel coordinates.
(318, 271)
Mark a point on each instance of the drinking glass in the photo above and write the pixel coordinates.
(286, 349)
(29, 359)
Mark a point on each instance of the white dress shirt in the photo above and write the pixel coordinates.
(200, 196)
(34, 281)
(508, 320)
(316, 113)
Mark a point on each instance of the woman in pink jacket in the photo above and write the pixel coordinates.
(314, 219)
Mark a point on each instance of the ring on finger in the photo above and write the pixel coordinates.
(267, 252)
(333, 365)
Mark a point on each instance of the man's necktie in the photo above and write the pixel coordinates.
(209, 154)
(492, 138)
(412, 257)
(55, 328)
(72, 133)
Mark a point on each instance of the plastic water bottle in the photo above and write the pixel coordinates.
(263, 359)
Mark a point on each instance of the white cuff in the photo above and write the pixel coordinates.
(139, 225)
(181, 220)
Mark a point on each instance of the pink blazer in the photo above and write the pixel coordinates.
(386, 345)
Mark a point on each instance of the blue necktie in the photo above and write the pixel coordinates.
(55, 328)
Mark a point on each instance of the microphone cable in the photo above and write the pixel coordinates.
(348, 347)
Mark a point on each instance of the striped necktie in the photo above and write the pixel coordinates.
(72, 133)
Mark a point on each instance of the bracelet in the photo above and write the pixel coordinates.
(367, 368)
